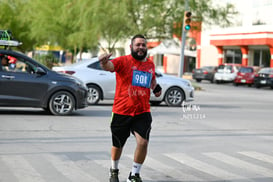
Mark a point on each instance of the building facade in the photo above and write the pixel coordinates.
(248, 42)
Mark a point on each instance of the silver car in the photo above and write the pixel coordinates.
(101, 84)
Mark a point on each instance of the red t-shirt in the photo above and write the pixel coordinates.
(133, 79)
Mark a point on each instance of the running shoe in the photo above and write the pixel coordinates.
(114, 175)
(135, 178)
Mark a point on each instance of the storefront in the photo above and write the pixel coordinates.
(249, 49)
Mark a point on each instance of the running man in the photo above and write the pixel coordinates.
(135, 76)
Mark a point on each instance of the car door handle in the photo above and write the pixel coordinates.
(8, 77)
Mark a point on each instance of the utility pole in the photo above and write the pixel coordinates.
(185, 28)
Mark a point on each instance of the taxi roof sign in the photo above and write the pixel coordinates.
(10, 43)
(6, 39)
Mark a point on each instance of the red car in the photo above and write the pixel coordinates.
(245, 75)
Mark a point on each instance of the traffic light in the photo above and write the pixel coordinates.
(187, 20)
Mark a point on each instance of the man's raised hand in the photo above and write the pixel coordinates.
(105, 63)
(104, 58)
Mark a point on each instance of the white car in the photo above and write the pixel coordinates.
(101, 84)
(226, 72)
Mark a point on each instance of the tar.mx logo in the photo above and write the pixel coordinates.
(192, 112)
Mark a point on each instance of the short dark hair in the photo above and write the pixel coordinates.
(137, 36)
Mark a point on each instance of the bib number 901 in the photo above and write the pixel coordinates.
(142, 79)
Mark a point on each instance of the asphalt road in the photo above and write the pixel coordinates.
(225, 135)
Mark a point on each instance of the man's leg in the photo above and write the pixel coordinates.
(120, 132)
(120, 129)
(141, 127)
(116, 153)
(114, 170)
(140, 154)
(141, 149)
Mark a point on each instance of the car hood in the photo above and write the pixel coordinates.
(65, 77)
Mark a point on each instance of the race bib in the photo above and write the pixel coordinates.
(142, 79)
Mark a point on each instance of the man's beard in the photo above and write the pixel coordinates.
(137, 57)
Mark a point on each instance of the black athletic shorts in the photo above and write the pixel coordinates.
(122, 125)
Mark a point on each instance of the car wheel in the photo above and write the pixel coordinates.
(198, 80)
(155, 103)
(174, 97)
(94, 94)
(61, 103)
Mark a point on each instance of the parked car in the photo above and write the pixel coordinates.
(246, 75)
(27, 83)
(226, 72)
(264, 78)
(101, 84)
(204, 73)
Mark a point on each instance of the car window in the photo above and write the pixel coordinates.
(246, 70)
(80, 63)
(225, 67)
(95, 65)
(207, 68)
(16, 64)
(211, 68)
(237, 67)
(221, 67)
(158, 74)
(229, 67)
(265, 70)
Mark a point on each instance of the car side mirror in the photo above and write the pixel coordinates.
(40, 71)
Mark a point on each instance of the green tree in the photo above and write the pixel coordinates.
(63, 22)
(150, 17)
(79, 25)
(111, 21)
(12, 13)
(77, 17)
(157, 18)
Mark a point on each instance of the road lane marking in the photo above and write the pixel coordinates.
(204, 167)
(167, 170)
(69, 169)
(256, 170)
(22, 169)
(258, 156)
